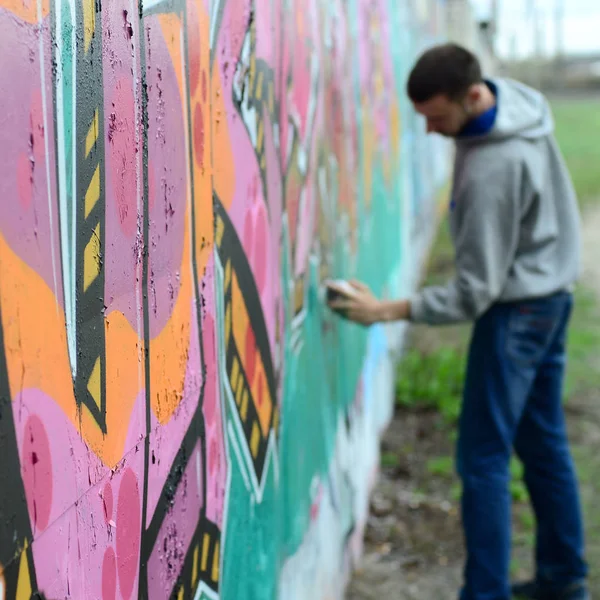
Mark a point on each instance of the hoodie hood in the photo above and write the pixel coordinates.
(522, 112)
(513, 209)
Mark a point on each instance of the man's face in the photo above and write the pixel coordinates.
(444, 116)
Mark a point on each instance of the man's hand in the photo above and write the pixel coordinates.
(364, 308)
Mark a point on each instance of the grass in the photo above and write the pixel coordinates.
(432, 381)
(389, 459)
(584, 341)
(441, 466)
(577, 132)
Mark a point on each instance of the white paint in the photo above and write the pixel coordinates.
(221, 368)
(72, 334)
(238, 455)
(67, 237)
(148, 5)
(240, 82)
(318, 569)
(243, 452)
(47, 147)
(242, 455)
(214, 24)
(208, 593)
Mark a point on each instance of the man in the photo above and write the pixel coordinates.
(516, 230)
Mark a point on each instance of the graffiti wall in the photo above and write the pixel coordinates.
(180, 415)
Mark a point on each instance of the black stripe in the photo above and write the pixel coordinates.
(15, 526)
(143, 569)
(199, 299)
(195, 433)
(90, 332)
(231, 248)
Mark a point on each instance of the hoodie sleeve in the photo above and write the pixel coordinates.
(485, 244)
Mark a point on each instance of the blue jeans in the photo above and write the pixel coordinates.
(513, 399)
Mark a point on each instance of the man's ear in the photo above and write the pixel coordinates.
(472, 97)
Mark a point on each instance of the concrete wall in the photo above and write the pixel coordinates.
(464, 28)
(180, 416)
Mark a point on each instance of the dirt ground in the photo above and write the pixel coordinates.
(413, 545)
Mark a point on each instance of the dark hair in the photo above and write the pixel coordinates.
(447, 69)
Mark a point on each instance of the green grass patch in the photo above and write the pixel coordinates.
(389, 460)
(527, 520)
(441, 466)
(433, 380)
(577, 132)
(583, 373)
(518, 491)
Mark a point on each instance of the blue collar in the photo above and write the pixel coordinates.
(484, 122)
(480, 125)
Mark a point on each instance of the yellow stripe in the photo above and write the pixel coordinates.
(252, 73)
(227, 323)
(259, 85)
(271, 98)
(227, 274)
(92, 134)
(215, 566)
(91, 259)
(205, 542)
(254, 439)
(93, 385)
(89, 22)
(299, 295)
(93, 192)
(195, 566)
(260, 135)
(235, 371)
(263, 162)
(244, 407)
(181, 594)
(219, 232)
(24, 582)
(238, 391)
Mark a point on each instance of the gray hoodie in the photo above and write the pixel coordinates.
(515, 221)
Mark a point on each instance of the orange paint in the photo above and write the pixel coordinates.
(202, 142)
(35, 345)
(201, 153)
(35, 341)
(241, 322)
(27, 10)
(223, 173)
(124, 382)
(390, 158)
(171, 28)
(169, 349)
(262, 397)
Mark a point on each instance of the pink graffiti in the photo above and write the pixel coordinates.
(177, 530)
(28, 212)
(36, 466)
(128, 532)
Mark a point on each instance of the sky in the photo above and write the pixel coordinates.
(516, 27)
